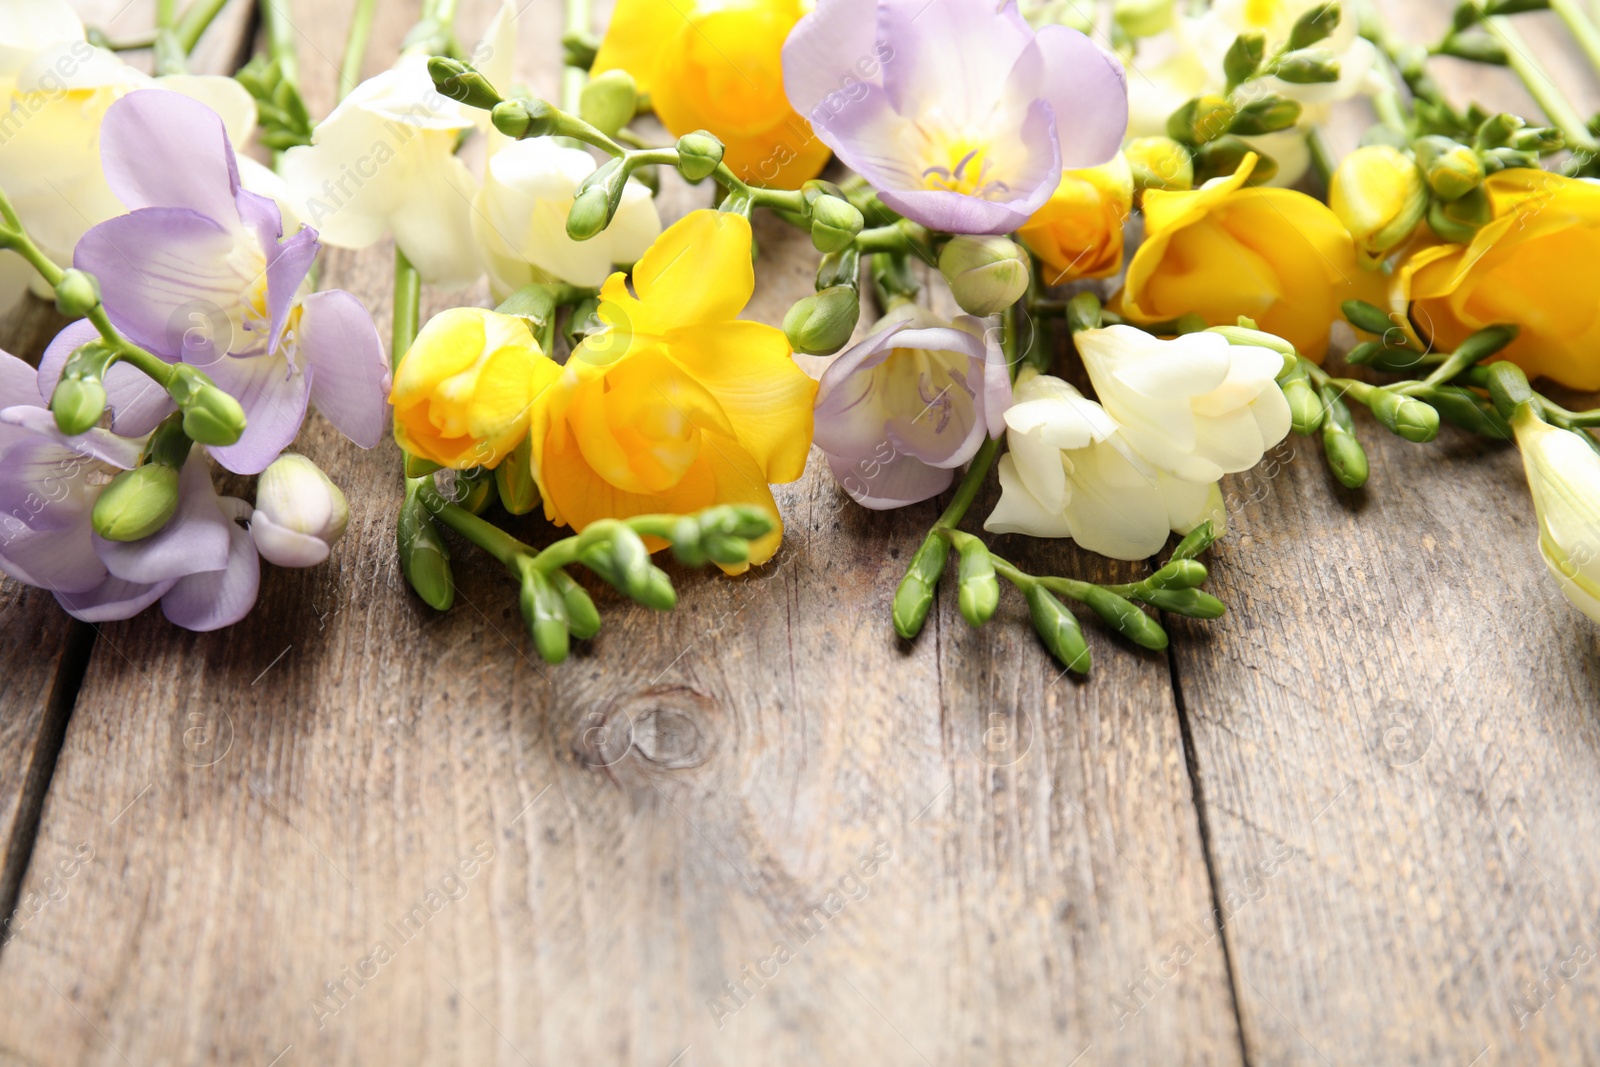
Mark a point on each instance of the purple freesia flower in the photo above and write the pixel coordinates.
(202, 566)
(199, 272)
(968, 117)
(899, 412)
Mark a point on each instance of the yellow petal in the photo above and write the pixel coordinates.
(698, 271)
(641, 31)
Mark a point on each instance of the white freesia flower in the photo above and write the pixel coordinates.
(1196, 407)
(1070, 473)
(520, 220)
(1564, 479)
(54, 91)
(299, 513)
(384, 162)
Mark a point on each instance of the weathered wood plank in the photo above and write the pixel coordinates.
(964, 855)
(42, 651)
(1402, 705)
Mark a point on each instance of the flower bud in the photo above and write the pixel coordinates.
(699, 154)
(299, 513)
(212, 417)
(1122, 616)
(546, 615)
(1058, 629)
(1508, 388)
(1411, 419)
(1305, 406)
(1564, 481)
(1190, 603)
(137, 504)
(1367, 317)
(835, 222)
(583, 618)
(1193, 544)
(1269, 114)
(822, 324)
(1452, 169)
(513, 479)
(1310, 67)
(609, 101)
(1243, 58)
(1459, 220)
(1380, 196)
(1143, 18)
(1201, 120)
(986, 274)
(77, 293)
(978, 593)
(1222, 157)
(1184, 572)
(1466, 409)
(914, 598)
(424, 556)
(590, 213)
(1346, 458)
(1315, 25)
(77, 405)
(1159, 163)
(462, 83)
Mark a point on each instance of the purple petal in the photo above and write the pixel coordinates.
(195, 540)
(214, 599)
(954, 52)
(96, 444)
(19, 386)
(1087, 89)
(826, 54)
(895, 483)
(167, 281)
(344, 357)
(285, 271)
(137, 403)
(261, 215)
(273, 395)
(62, 561)
(846, 422)
(41, 484)
(112, 600)
(165, 150)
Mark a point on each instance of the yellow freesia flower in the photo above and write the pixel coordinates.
(1222, 251)
(716, 65)
(677, 405)
(463, 394)
(1078, 232)
(1529, 266)
(1379, 194)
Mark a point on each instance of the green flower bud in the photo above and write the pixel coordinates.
(424, 556)
(1143, 18)
(608, 102)
(1194, 543)
(1317, 24)
(1159, 163)
(1346, 458)
(1497, 130)
(1409, 418)
(835, 222)
(1311, 67)
(1540, 140)
(212, 417)
(1190, 603)
(1201, 120)
(546, 615)
(590, 213)
(77, 294)
(623, 552)
(472, 491)
(1058, 629)
(1306, 409)
(1496, 160)
(657, 593)
(979, 590)
(1367, 317)
(513, 480)
(583, 618)
(1085, 312)
(1182, 572)
(417, 467)
(686, 542)
(1269, 114)
(1485, 343)
(740, 520)
(512, 119)
(1221, 157)
(822, 324)
(1459, 220)
(986, 274)
(914, 598)
(462, 83)
(1379, 356)
(1453, 170)
(136, 503)
(1122, 616)
(1508, 388)
(1475, 47)
(78, 405)
(1244, 58)
(699, 154)
(726, 549)
(1471, 412)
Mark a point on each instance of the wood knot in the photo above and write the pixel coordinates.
(667, 728)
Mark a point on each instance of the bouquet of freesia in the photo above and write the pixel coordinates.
(1000, 152)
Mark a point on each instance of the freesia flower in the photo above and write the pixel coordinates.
(300, 514)
(967, 117)
(1379, 194)
(1070, 473)
(897, 414)
(715, 66)
(1221, 251)
(1196, 407)
(197, 272)
(464, 391)
(520, 218)
(54, 91)
(384, 163)
(1078, 232)
(1564, 479)
(676, 405)
(1528, 266)
(201, 565)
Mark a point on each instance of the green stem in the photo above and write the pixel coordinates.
(967, 492)
(486, 535)
(166, 14)
(355, 46)
(407, 307)
(192, 24)
(1551, 100)
(1582, 27)
(1322, 157)
(157, 369)
(573, 79)
(280, 38)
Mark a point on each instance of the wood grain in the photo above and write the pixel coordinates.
(1402, 701)
(757, 830)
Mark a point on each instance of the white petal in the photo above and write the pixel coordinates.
(1019, 511)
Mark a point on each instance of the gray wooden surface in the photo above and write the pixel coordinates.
(1348, 824)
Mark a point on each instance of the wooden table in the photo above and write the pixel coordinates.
(1351, 823)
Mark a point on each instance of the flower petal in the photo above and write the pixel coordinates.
(274, 398)
(1019, 511)
(211, 600)
(287, 267)
(698, 271)
(98, 444)
(345, 360)
(958, 53)
(1087, 90)
(166, 150)
(894, 482)
(823, 54)
(111, 601)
